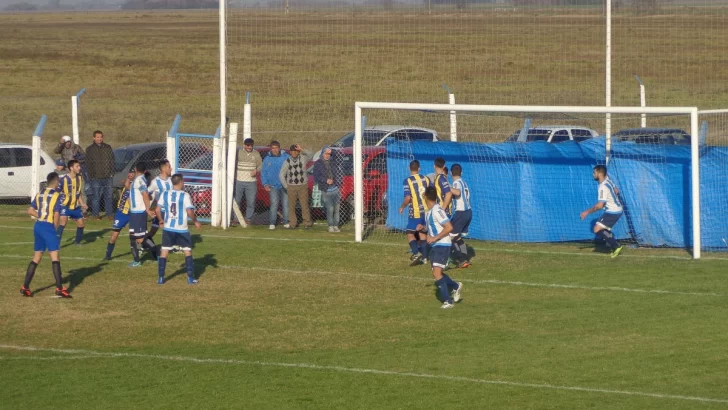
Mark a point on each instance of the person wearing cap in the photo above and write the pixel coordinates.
(328, 174)
(248, 166)
(270, 178)
(294, 178)
(68, 150)
(61, 167)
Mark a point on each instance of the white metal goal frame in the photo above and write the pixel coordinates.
(450, 108)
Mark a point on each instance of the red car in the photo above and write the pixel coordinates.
(375, 184)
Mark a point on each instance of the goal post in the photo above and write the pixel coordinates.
(641, 156)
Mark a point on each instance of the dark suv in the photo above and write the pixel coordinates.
(659, 136)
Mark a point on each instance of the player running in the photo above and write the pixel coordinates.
(46, 208)
(71, 187)
(609, 201)
(177, 208)
(414, 188)
(462, 214)
(140, 203)
(121, 219)
(438, 228)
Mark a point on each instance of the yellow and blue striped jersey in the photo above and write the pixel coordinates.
(47, 203)
(414, 187)
(124, 205)
(71, 188)
(443, 188)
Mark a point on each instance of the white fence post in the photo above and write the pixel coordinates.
(35, 176)
(74, 114)
(453, 115)
(643, 101)
(172, 143)
(230, 180)
(216, 185)
(247, 119)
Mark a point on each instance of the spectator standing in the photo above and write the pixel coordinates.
(100, 168)
(248, 167)
(327, 173)
(293, 177)
(68, 151)
(61, 167)
(270, 178)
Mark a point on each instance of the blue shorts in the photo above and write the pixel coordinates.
(45, 237)
(461, 222)
(138, 225)
(72, 213)
(439, 255)
(120, 221)
(181, 239)
(607, 221)
(412, 224)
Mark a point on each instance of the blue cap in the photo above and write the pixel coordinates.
(60, 163)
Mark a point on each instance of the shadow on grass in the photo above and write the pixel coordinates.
(200, 263)
(75, 277)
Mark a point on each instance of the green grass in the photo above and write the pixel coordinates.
(311, 320)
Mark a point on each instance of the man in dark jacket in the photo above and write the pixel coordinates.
(328, 175)
(100, 169)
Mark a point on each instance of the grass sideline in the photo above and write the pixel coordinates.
(303, 319)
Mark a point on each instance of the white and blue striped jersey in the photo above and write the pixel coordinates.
(608, 195)
(138, 186)
(159, 186)
(174, 206)
(436, 219)
(462, 202)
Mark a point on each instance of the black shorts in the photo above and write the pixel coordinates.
(607, 221)
(138, 225)
(181, 239)
(461, 222)
(438, 256)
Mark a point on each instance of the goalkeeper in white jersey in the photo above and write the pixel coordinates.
(177, 208)
(612, 205)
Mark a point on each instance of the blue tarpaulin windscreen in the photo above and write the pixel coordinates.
(534, 192)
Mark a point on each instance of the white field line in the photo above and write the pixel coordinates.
(15, 243)
(494, 249)
(343, 369)
(419, 279)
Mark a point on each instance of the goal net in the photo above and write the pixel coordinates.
(529, 170)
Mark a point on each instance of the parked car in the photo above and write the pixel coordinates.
(16, 170)
(378, 136)
(375, 184)
(553, 134)
(662, 136)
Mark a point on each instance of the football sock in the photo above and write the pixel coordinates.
(190, 265)
(162, 266)
(609, 237)
(423, 249)
(463, 249)
(57, 273)
(109, 249)
(29, 274)
(134, 248)
(413, 246)
(79, 235)
(450, 283)
(59, 231)
(442, 290)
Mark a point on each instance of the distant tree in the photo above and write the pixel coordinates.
(21, 7)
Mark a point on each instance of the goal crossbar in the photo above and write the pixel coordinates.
(447, 108)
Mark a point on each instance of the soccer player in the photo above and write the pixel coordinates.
(46, 208)
(177, 208)
(157, 187)
(71, 187)
(121, 219)
(414, 188)
(140, 208)
(442, 186)
(462, 214)
(438, 228)
(609, 201)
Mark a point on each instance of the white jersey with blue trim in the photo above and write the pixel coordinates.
(174, 206)
(436, 218)
(159, 186)
(138, 186)
(608, 196)
(462, 202)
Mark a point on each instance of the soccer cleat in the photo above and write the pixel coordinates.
(106, 258)
(456, 293)
(447, 305)
(272, 227)
(336, 229)
(26, 292)
(191, 281)
(425, 261)
(331, 229)
(63, 293)
(464, 265)
(135, 264)
(616, 252)
(160, 281)
(286, 226)
(415, 260)
(175, 248)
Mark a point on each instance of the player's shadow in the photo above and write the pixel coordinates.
(201, 264)
(75, 277)
(93, 236)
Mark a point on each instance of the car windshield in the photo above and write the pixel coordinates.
(204, 162)
(370, 137)
(122, 157)
(533, 135)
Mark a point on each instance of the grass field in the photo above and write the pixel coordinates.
(306, 70)
(305, 319)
